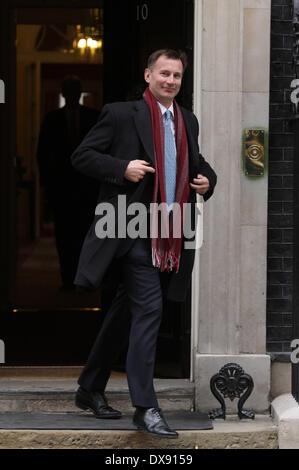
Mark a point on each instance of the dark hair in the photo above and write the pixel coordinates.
(71, 83)
(170, 54)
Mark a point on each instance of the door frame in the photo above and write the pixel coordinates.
(7, 162)
(197, 67)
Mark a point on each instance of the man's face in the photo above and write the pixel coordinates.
(165, 79)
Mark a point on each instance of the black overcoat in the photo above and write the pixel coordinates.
(124, 133)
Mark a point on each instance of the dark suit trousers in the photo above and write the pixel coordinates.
(139, 298)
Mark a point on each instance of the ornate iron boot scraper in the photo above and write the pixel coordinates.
(231, 381)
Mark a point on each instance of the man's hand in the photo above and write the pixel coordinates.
(201, 184)
(137, 169)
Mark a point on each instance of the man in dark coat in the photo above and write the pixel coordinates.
(146, 151)
(72, 196)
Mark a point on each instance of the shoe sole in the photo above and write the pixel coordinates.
(85, 407)
(153, 434)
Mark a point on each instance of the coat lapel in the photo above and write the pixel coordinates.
(192, 148)
(143, 125)
(190, 136)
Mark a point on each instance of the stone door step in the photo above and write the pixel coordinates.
(44, 372)
(180, 420)
(232, 433)
(58, 396)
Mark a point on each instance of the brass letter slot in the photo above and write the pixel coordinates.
(254, 152)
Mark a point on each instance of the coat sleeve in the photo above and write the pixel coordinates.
(203, 166)
(92, 156)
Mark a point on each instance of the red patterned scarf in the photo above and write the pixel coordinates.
(166, 252)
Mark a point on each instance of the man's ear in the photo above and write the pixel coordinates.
(146, 75)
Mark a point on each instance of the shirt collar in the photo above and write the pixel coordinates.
(163, 109)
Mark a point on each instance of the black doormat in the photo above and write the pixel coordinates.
(180, 420)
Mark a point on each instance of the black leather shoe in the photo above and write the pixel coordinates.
(152, 422)
(95, 402)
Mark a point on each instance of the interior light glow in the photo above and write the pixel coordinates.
(82, 43)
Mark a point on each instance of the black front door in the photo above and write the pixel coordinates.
(55, 336)
(133, 29)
